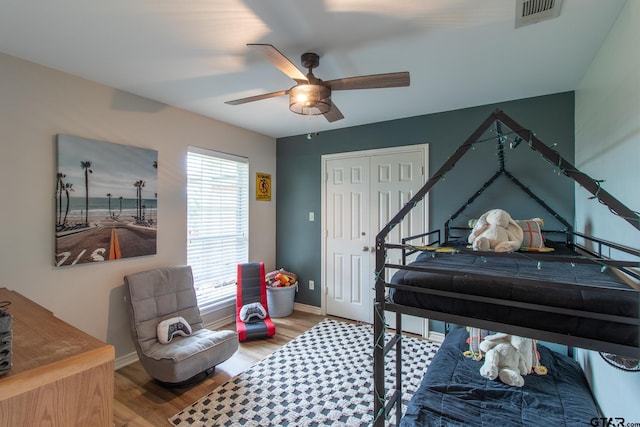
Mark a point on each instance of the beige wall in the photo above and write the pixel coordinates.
(36, 103)
(608, 147)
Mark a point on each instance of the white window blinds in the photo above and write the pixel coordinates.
(217, 222)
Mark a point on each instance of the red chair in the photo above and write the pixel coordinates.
(253, 322)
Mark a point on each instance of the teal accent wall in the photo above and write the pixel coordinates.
(299, 179)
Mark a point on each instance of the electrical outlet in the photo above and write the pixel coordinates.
(311, 285)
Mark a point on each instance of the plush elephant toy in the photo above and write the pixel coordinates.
(508, 357)
(496, 230)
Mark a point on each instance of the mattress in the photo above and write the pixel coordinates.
(583, 285)
(453, 393)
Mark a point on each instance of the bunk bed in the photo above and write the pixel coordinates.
(453, 394)
(581, 297)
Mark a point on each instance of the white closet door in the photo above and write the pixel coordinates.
(348, 264)
(395, 178)
(362, 193)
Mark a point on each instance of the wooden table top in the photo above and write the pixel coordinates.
(40, 338)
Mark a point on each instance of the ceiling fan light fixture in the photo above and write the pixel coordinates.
(310, 99)
(311, 96)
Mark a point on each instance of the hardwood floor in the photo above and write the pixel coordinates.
(140, 402)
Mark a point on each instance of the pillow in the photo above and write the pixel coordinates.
(476, 335)
(532, 235)
(252, 312)
(169, 328)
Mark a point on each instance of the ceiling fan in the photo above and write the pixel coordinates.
(311, 95)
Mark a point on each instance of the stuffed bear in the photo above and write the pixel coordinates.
(508, 357)
(496, 230)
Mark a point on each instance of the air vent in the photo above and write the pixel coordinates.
(533, 11)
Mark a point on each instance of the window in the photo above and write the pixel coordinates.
(217, 223)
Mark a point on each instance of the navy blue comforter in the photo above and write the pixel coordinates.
(497, 277)
(454, 394)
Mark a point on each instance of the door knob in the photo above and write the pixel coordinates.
(365, 249)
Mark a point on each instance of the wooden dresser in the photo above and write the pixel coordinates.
(61, 376)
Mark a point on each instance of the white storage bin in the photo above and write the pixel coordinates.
(280, 300)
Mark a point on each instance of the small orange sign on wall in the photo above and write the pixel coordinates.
(263, 186)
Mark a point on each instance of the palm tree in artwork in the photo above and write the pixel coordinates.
(109, 197)
(59, 188)
(86, 165)
(156, 197)
(139, 184)
(67, 188)
(141, 215)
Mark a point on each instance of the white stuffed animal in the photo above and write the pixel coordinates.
(496, 230)
(508, 357)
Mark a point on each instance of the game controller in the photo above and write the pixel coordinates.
(169, 328)
(252, 312)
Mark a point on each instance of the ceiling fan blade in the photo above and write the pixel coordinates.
(257, 97)
(281, 62)
(333, 114)
(372, 81)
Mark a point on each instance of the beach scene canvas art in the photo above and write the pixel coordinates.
(106, 201)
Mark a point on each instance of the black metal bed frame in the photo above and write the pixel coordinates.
(383, 403)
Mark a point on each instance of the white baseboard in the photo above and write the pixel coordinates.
(125, 360)
(435, 337)
(311, 309)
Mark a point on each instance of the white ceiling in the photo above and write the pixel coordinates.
(192, 54)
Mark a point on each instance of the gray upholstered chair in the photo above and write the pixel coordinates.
(166, 293)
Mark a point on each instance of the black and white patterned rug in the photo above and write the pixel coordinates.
(324, 377)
